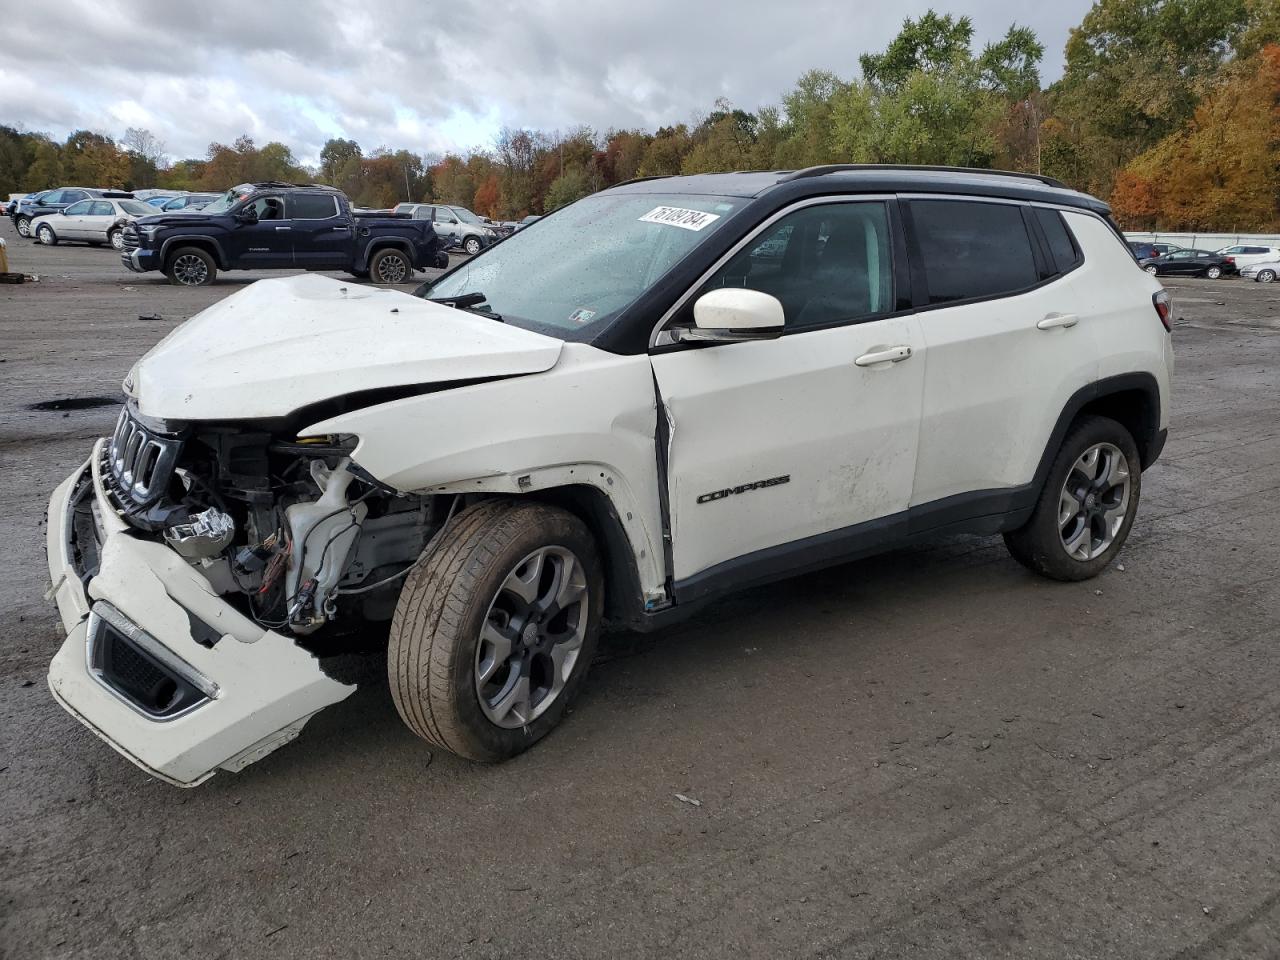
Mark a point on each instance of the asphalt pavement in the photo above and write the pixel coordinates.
(927, 754)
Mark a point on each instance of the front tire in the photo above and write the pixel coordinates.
(46, 236)
(495, 628)
(23, 226)
(190, 267)
(1087, 506)
(391, 265)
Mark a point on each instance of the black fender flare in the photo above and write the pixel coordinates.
(195, 240)
(382, 243)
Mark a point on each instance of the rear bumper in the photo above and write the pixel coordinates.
(250, 690)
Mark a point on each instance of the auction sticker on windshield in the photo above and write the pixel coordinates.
(680, 217)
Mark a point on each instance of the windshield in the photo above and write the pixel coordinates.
(229, 199)
(136, 207)
(571, 274)
(465, 215)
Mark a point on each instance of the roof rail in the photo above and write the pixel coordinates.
(826, 168)
(660, 176)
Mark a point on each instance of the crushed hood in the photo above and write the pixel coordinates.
(282, 344)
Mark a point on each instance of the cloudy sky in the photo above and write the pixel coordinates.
(429, 75)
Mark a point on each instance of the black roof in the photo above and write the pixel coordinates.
(281, 185)
(870, 178)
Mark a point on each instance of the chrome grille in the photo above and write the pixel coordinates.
(140, 461)
(129, 236)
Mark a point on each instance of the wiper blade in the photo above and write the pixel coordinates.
(467, 301)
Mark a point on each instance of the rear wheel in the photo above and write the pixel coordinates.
(1213, 273)
(495, 628)
(45, 234)
(116, 238)
(472, 245)
(1266, 276)
(190, 267)
(1152, 269)
(1087, 505)
(391, 265)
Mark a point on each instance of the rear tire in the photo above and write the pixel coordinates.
(1213, 273)
(472, 246)
(116, 239)
(1152, 269)
(190, 267)
(391, 265)
(1083, 516)
(473, 667)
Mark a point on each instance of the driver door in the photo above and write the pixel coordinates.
(799, 449)
(267, 244)
(71, 224)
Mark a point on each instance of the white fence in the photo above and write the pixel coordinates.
(1208, 241)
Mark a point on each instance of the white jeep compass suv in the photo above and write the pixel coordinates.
(669, 390)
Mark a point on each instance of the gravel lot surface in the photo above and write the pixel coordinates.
(928, 754)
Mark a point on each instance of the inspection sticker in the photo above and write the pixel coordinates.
(581, 315)
(680, 217)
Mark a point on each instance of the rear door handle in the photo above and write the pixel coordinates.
(887, 355)
(1058, 320)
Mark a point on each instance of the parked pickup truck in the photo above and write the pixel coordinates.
(280, 226)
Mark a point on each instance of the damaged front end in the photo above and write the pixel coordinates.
(199, 568)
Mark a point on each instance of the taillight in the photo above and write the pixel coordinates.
(1164, 308)
(1229, 259)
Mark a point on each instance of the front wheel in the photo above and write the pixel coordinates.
(1213, 273)
(23, 226)
(1266, 276)
(1087, 505)
(472, 246)
(391, 265)
(495, 628)
(45, 234)
(191, 267)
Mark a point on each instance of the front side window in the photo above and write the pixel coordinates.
(827, 264)
(576, 274)
(78, 209)
(971, 249)
(267, 208)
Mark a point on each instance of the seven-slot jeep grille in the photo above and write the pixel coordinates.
(140, 461)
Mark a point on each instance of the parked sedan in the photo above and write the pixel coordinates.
(94, 221)
(189, 201)
(51, 201)
(1189, 263)
(1265, 272)
(1247, 254)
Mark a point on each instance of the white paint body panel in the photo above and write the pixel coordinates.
(282, 344)
(797, 406)
(268, 686)
(590, 420)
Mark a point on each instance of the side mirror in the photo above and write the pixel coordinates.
(733, 315)
(247, 215)
(63, 211)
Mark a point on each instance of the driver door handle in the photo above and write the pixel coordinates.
(1058, 320)
(887, 355)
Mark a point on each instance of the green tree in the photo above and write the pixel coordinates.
(573, 184)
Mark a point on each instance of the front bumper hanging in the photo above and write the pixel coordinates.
(155, 662)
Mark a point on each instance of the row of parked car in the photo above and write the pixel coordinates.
(1251, 261)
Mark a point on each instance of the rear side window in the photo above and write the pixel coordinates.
(314, 206)
(1062, 246)
(972, 250)
(101, 208)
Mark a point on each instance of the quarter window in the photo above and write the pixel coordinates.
(827, 264)
(1062, 247)
(972, 250)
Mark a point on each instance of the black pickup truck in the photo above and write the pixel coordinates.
(280, 226)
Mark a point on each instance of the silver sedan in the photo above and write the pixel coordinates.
(94, 221)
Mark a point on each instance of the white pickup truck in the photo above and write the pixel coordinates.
(673, 389)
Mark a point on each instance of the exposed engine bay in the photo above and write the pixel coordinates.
(290, 531)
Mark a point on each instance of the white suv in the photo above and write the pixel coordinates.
(670, 390)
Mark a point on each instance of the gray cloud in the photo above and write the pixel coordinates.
(431, 77)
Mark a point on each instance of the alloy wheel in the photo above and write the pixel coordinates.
(1267, 276)
(1153, 270)
(190, 270)
(1094, 501)
(23, 227)
(532, 637)
(117, 240)
(1213, 273)
(392, 269)
(45, 236)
